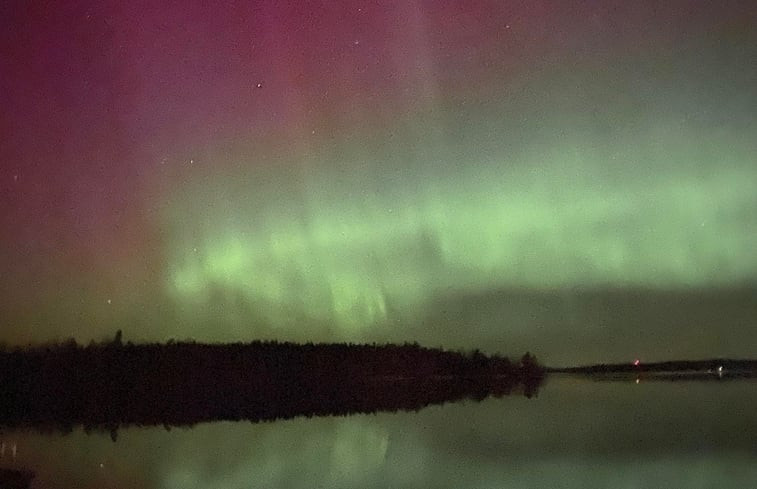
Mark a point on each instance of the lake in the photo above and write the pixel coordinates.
(576, 433)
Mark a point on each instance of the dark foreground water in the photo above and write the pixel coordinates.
(577, 433)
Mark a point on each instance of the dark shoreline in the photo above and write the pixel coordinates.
(107, 386)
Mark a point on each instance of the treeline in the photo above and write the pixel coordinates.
(108, 385)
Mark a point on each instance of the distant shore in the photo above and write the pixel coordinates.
(710, 369)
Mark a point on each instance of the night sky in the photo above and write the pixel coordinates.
(578, 179)
(574, 178)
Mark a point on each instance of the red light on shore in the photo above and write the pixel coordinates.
(636, 362)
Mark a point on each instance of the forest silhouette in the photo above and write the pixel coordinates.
(106, 386)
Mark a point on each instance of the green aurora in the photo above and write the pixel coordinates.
(337, 243)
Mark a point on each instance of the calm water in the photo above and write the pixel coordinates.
(575, 434)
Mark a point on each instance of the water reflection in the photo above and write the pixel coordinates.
(577, 433)
(599, 427)
(13, 449)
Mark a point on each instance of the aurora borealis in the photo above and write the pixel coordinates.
(577, 179)
(331, 172)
